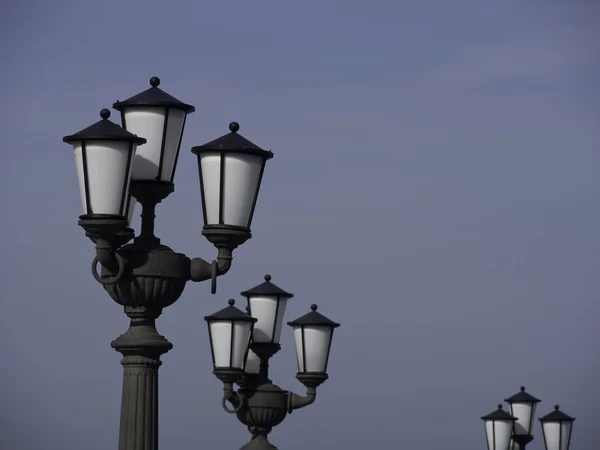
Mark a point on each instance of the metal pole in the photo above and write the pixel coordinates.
(141, 347)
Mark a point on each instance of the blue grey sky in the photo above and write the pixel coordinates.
(434, 189)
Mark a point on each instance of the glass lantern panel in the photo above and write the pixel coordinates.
(269, 317)
(148, 122)
(229, 348)
(313, 349)
(498, 433)
(107, 163)
(523, 413)
(241, 178)
(556, 435)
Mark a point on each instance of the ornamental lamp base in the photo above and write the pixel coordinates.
(226, 236)
(111, 227)
(312, 379)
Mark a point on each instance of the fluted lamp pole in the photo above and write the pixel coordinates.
(258, 403)
(119, 165)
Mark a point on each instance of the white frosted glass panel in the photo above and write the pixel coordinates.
(241, 173)
(253, 363)
(148, 122)
(557, 435)
(522, 411)
(222, 345)
(241, 178)
(316, 345)
(499, 431)
(174, 130)
(210, 165)
(264, 310)
(106, 168)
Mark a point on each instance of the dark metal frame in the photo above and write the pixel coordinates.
(157, 98)
(228, 144)
(524, 398)
(267, 289)
(144, 277)
(496, 416)
(557, 416)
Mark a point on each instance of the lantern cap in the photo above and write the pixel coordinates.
(233, 142)
(499, 414)
(154, 97)
(314, 318)
(230, 313)
(267, 289)
(104, 130)
(522, 397)
(557, 416)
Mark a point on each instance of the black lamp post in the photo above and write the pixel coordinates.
(556, 426)
(145, 276)
(258, 403)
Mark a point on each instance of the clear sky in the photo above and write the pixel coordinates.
(434, 189)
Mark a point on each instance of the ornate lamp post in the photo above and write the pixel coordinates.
(258, 403)
(556, 426)
(145, 276)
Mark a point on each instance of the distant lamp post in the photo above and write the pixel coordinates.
(556, 426)
(499, 427)
(522, 406)
(258, 403)
(117, 166)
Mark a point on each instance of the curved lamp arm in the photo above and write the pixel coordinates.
(233, 397)
(108, 258)
(201, 270)
(296, 401)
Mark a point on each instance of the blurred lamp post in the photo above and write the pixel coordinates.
(234, 335)
(513, 431)
(118, 166)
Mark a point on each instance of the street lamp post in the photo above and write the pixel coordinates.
(514, 431)
(117, 165)
(258, 403)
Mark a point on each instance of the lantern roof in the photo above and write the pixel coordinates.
(233, 142)
(104, 130)
(314, 318)
(230, 313)
(267, 289)
(557, 416)
(154, 97)
(499, 414)
(522, 397)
